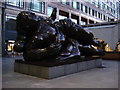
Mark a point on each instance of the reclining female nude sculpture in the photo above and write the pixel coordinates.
(40, 39)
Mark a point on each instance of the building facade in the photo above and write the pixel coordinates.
(118, 9)
(79, 11)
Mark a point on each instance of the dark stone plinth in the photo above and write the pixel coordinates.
(53, 69)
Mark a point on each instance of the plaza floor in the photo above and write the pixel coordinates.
(95, 78)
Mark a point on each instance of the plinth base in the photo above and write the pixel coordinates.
(55, 70)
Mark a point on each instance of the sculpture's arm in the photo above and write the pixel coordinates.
(50, 20)
(74, 31)
(53, 15)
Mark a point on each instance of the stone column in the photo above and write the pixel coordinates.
(70, 14)
(0, 29)
(57, 18)
(79, 19)
(2, 15)
(88, 21)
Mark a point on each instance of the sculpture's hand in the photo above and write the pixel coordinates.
(53, 15)
(19, 46)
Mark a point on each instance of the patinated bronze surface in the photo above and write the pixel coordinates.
(42, 38)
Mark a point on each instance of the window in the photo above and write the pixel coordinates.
(89, 10)
(64, 2)
(91, 21)
(110, 3)
(104, 17)
(113, 5)
(107, 1)
(62, 17)
(98, 15)
(86, 9)
(108, 19)
(10, 17)
(114, 11)
(81, 7)
(99, 5)
(10, 23)
(108, 8)
(36, 5)
(103, 6)
(78, 5)
(101, 16)
(63, 14)
(17, 3)
(75, 5)
(92, 12)
(83, 23)
(75, 18)
(49, 10)
(111, 10)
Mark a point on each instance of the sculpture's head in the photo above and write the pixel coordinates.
(32, 27)
(27, 23)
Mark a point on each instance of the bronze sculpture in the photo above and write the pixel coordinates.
(40, 39)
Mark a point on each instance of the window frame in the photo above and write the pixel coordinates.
(41, 6)
(17, 5)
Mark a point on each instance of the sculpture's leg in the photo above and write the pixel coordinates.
(40, 54)
(89, 51)
(74, 31)
(71, 50)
